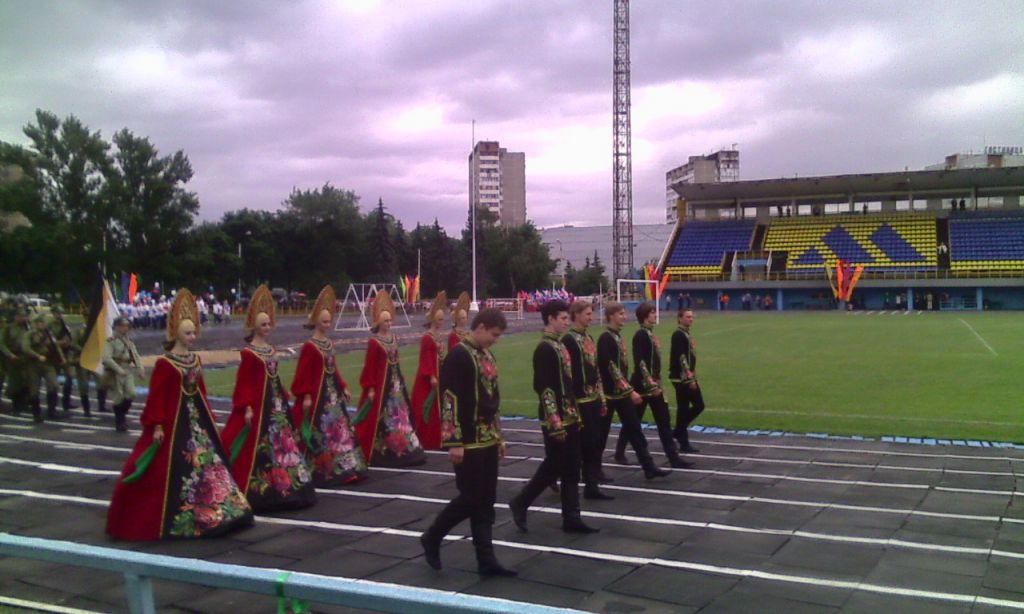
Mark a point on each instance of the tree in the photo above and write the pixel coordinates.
(383, 267)
(330, 242)
(146, 193)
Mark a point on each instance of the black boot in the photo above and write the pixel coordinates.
(51, 404)
(121, 416)
(674, 460)
(37, 411)
(85, 406)
(431, 550)
(518, 509)
(101, 400)
(593, 493)
(66, 400)
(571, 520)
(683, 436)
(431, 538)
(651, 470)
(487, 563)
(620, 450)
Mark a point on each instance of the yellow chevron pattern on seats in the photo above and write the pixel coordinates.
(694, 270)
(799, 235)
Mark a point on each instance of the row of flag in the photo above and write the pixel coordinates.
(845, 279)
(410, 287)
(653, 291)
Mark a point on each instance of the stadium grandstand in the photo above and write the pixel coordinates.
(933, 239)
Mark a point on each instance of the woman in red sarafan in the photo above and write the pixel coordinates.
(320, 411)
(267, 461)
(176, 483)
(426, 405)
(460, 320)
(384, 425)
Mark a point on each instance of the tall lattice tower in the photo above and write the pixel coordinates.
(622, 150)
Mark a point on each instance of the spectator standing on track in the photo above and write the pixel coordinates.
(560, 423)
(682, 372)
(471, 432)
(586, 383)
(647, 381)
(613, 365)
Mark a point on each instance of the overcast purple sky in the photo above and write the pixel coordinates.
(378, 97)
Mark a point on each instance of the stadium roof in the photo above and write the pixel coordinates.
(867, 187)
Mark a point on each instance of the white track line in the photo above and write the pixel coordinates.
(871, 541)
(628, 560)
(822, 449)
(980, 338)
(42, 607)
(754, 499)
(602, 515)
(710, 472)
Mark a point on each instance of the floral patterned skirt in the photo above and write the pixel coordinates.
(396, 443)
(332, 450)
(280, 476)
(202, 497)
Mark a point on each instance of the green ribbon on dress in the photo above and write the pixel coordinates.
(364, 411)
(239, 443)
(143, 463)
(307, 428)
(428, 405)
(286, 604)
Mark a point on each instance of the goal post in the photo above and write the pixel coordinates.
(638, 293)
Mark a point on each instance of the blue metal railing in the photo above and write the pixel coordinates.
(139, 568)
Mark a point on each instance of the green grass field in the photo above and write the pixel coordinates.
(945, 375)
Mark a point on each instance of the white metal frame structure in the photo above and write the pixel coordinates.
(361, 296)
(654, 282)
(511, 307)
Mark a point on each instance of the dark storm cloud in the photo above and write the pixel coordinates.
(378, 97)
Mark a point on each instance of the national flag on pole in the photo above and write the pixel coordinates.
(99, 326)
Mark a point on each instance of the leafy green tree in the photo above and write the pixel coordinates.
(146, 195)
(330, 244)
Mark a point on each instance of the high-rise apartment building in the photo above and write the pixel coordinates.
(497, 182)
(719, 167)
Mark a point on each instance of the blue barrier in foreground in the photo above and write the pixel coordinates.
(138, 568)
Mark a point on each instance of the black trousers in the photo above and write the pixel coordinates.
(662, 417)
(477, 480)
(690, 405)
(632, 431)
(591, 441)
(561, 463)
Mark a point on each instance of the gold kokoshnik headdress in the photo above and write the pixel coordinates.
(262, 302)
(183, 308)
(461, 305)
(440, 304)
(381, 303)
(326, 300)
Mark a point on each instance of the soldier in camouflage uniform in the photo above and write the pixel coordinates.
(65, 339)
(121, 364)
(17, 367)
(44, 356)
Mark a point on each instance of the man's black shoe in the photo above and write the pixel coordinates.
(518, 513)
(597, 494)
(431, 552)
